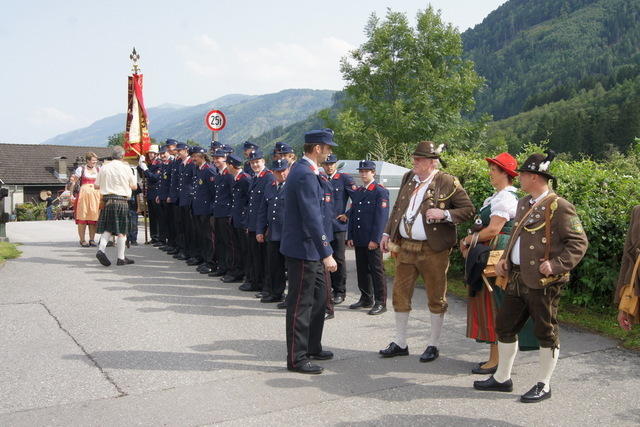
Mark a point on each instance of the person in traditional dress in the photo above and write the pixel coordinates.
(494, 223)
(629, 273)
(87, 203)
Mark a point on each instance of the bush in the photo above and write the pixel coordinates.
(604, 194)
(31, 211)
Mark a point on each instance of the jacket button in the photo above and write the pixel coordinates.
(532, 262)
(531, 247)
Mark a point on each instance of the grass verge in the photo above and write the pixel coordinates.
(8, 251)
(603, 322)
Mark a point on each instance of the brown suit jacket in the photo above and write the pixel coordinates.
(630, 253)
(444, 192)
(568, 240)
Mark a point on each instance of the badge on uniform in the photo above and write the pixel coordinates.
(576, 225)
(327, 199)
(384, 203)
(164, 176)
(201, 182)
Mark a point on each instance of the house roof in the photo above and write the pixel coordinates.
(22, 164)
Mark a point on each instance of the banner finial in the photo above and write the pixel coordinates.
(135, 57)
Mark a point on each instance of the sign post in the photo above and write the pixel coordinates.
(215, 121)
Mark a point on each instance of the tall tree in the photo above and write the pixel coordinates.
(404, 85)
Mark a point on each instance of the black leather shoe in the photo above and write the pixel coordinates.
(323, 355)
(338, 299)
(125, 261)
(377, 309)
(394, 350)
(262, 294)
(194, 261)
(218, 273)
(157, 244)
(173, 251)
(232, 279)
(306, 368)
(490, 384)
(165, 248)
(181, 257)
(133, 244)
(361, 304)
(102, 257)
(282, 305)
(248, 287)
(205, 270)
(536, 394)
(430, 354)
(484, 371)
(272, 298)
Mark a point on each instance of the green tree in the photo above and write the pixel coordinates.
(404, 85)
(115, 139)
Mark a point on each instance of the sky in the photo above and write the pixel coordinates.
(66, 63)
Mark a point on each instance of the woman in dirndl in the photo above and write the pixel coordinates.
(495, 221)
(87, 203)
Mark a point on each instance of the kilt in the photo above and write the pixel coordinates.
(114, 218)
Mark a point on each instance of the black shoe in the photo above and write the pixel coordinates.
(272, 298)
(248, 287)
(165, 248)
(262, 294)
(329, 316)
(377, 309)
(430, 354)
(394, 350)
(218, 273)
(173, 251)
(194, 261)
(205, 270)
(484, 371)
(158, 244)
(102, 257)
(323, 355)
(338, 299)
(282, 305)
(181, 257)
(306, 368)
(133, 244)
(361, 304)
(232, 279)
(536, 394)
(490, 384)
(125, 261)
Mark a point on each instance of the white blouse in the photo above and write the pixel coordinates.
(87, 172)
(503, 203)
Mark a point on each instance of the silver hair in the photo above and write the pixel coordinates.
(117, 153)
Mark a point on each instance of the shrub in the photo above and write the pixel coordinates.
(31, 211)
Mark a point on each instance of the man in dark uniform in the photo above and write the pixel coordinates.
(367, 218)
(202, 207)
(306, 246)
(239, 202)
(166, 206)
(222, 214)
(269, 229)
(174, 194)
(194, 234)
(181, 187)
(343, 187)
(263, 178)
(247, 148)
(152, 184)
(548, 241)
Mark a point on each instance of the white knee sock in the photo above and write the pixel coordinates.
(402, 319)
(120, 244)
(104, 239)
(507, 355)
(436, 329)
(548, 360)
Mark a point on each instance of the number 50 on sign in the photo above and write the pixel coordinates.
(215, 120)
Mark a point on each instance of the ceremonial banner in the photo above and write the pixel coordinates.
(136, 134)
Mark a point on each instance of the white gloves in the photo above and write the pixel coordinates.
(142, 164)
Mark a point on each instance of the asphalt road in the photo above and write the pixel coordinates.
(156, 343)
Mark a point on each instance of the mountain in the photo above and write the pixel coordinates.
(247, 116)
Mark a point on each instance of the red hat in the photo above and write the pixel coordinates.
(506, 162)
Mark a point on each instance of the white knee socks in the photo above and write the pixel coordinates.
(507, 355)
(104, 239)
(402, 319)
(548, 360)
(436, 329)
(120, 244)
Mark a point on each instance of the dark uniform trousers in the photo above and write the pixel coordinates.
(168, 223)
(194, 236)
(223, 242)
(184, 229)
(339, 277)
(258, 252)
(212, 261)
(371, 279)
(277, 280)
(204, 238)
(239, 263)
(177, 226)
(305, 309)
(154, 219)
(520, 302)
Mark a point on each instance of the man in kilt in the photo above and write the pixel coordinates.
(115, 181)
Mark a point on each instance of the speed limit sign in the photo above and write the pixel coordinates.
(215, 120)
